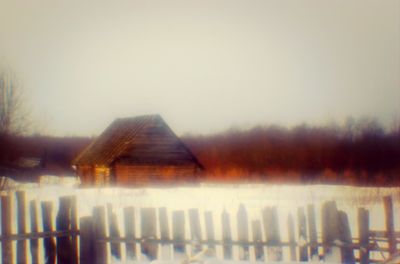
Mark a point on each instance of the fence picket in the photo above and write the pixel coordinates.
(86, 240)
(363, 234)
(302, 229)
(389, 223)
(271, 228)
(163, 218)
(257, 238)
(49, 243)
(195, 231)
(149, 232)
(21, 244)
(178, 229)
(291, 238)
(99, 233)
(34, 243)
(129, 219)
(208, 217)
(226, 235)
(243, 232)
(345, 237)
(330, 227)
(74, 226)
(312, 232)
(114, 232)
(164, 232)
(6, 222)
(63, 223)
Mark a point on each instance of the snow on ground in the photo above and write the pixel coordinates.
(217, 198)
(7, 183)
(67, 181)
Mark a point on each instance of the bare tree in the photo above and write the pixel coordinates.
(13, 116)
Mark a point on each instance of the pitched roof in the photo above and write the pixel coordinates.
(139, 140)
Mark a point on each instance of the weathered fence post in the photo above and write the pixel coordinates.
(257, 238)
(195, 231)
(34, 230)
(363, 234)
(6, 245)
(345, 237)
(21, 244)
(87, 242)
(226, 235)
(164, 231)
(114, 232)
(291, 238)
(49, 243)
(302, 228)
(178, 229)
(208, 217)
(330, 227)
(129, 216)
(312, 232)
(243, 232)
(99, 228)
(149, 232)
(63, 223)
(74, 227)
(389, 221)
(271, 226)
(163, 217)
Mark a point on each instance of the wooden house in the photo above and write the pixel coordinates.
(137, 151)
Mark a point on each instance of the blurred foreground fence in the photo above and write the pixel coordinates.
(66, 238)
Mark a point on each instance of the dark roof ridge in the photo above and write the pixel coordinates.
(119, 136)
(115, 124)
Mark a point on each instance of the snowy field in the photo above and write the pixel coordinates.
(217, 198)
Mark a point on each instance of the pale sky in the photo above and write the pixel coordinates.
(204, 66)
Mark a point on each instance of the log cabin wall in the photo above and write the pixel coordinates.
(152, 174)
(85, 172)
(94, 175)
(102, 175)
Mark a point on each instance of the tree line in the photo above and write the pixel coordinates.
(360, 152)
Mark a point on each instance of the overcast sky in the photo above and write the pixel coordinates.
(205, 66)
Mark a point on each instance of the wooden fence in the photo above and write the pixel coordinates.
(93, 238)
